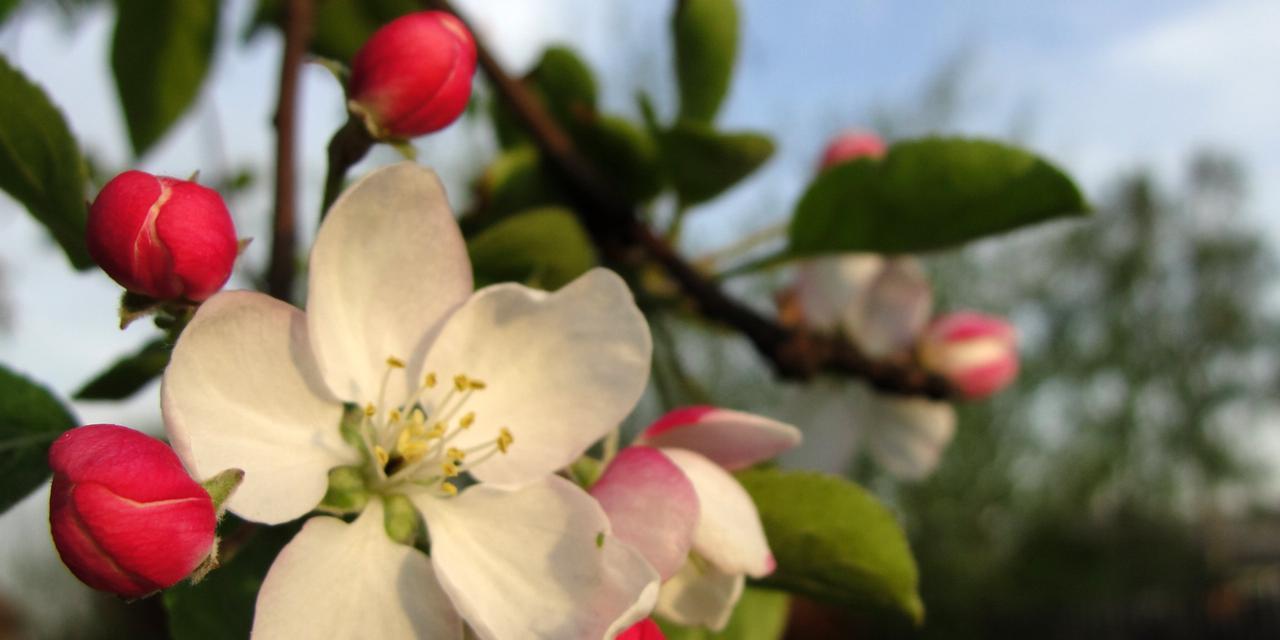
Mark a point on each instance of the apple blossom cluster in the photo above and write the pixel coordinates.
(884, 305)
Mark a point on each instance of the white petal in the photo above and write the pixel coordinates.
(651, 505)
(538, 562)
(827, 287)
(561, 370)
(242, 391)
(387, 266)
(729, 533)
(825, 408)
(700, 596)
(338, 580)
(731, 439)
(908, 435)
(893, 309)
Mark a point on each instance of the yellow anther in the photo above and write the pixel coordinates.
(429, 381)
(403, 440)
(477, 384)
(455, 454)
(381, 455)
(450, 469)
(394, 362)
(414, 450)
(369, 410)
(437, 431)
(460, 382)
(417, 417)
(467, 420)
(394, 416)
(504, 440)
(448, 488)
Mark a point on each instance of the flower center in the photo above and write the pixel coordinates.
(412, 441)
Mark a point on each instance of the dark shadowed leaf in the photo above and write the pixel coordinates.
(40, 165)
(929, 194)
(129, 374)
(30, 419)
(702, 163)
(160, 55)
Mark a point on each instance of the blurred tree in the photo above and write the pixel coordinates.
(1071, 504)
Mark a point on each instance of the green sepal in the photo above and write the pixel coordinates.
(400, 518)
(586, 471)
(221, 487)
(349, 428)
(347, 491)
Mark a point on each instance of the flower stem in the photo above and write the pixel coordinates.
(348, 146)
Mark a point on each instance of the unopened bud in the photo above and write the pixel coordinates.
(162, 238)
(977, 353)
(125, 516)
(852, 145)
(646, 629)
(413, 76)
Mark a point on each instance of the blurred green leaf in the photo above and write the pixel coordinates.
(929, 194)
(30, 419)
(220, 607)
(40, 165)
(341, 26)
(514, 182)
(566, 84)
(706, 41)
(834, 542)
(160, 54)
(626, 154)
(545, 248)
(761, 614)
(7, 7)
(129, 374)
(702, 163)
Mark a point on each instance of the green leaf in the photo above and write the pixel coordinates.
(341, 26)
(220, 607)
(516, 181)
(30, 419)
(702, 163)
(545, 248)
(626, 155)
(160, 54)
(761, 614)
(834, 542)
(6, 8)
(40, 165)
(566, 84)
(929, 194)
(706, 41)
(129, 374)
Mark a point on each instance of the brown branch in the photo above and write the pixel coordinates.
(621, 235)
(297, 34)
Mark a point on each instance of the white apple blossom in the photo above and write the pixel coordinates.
(882, 304)
(464, 403)
(671, 496)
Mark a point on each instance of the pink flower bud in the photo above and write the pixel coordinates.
(413, 76)
(126, 517)
(976, 352)
(852, 145)
(162, 237)
(646, 629)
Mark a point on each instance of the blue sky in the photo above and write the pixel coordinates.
(1101, 87)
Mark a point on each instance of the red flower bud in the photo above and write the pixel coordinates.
(162, 237)
(852, 145)
(125, 515)
(413, 76)
(976, 352)
(646, 629)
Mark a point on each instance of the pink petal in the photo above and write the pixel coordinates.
(651, 505)
(731, 439)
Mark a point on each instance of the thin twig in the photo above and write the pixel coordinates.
(619, 233)
(297, 34)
